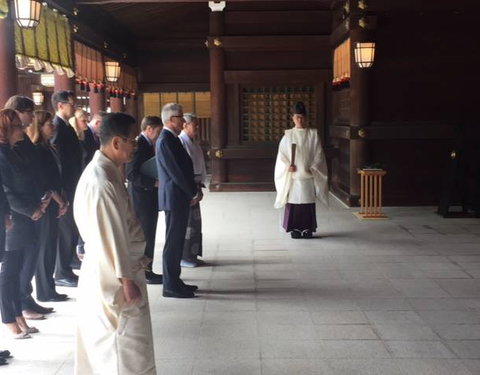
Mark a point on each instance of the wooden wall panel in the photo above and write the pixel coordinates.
(245, 171)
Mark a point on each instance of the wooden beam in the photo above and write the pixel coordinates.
(173, 87)
(100, 2)
(407, 130)
(272, 43)
(300, 77)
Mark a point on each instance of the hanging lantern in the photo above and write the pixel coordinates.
(112, 71)
(365, 54)
(27, 12)
(47, 79)
(38, 97)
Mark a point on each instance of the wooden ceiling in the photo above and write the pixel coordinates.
(182, 19)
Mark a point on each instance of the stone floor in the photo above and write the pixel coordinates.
(400, 296)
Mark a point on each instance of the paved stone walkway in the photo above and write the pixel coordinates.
(396, 297)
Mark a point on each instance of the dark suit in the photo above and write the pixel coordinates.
(70, 152)
(91, 144)
(175, 191)
(144, 193)
(22, 184)
(47, 226)
(4, 211)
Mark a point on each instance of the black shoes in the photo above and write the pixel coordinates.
(190, 288)
(57, 297)
(3, 362)
(153, 278)
(34, 307)
(5, 354)
(43, 310)
(301, 234)
(306, 233)
(178, 293)
(72, 283)
(296, 234)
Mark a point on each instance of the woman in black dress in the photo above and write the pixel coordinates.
(40, 133)
(26, 204)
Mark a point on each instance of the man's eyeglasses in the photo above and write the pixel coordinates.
(72, 104)
(132, 141)
(178, 116)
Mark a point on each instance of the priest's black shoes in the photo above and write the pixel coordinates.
(5, 354)
(307, 233)
(178, 293)
(153, 278)
(296, 233)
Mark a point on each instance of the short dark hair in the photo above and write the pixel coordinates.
(61, 97)
(20, 103)
(7, 116)
(153, 121)
(115, 125)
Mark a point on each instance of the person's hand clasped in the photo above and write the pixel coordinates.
(8, 222)
(292, 168)
(38, 213)
(131, 292)
(194, 201)
(62, 210)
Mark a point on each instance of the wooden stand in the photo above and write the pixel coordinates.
(371, 194)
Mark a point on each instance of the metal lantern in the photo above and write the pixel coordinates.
(365, 54)
(47, 79)
(38, 97)
(112, 71)
(28, 12)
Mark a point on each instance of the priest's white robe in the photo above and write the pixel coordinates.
(112, 338)
(309, 183)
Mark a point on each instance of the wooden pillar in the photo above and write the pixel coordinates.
(131, 107)
(360, 96)
(62, 82)
(8, 70)
(116, 104)
(96, 101)
(217, 97)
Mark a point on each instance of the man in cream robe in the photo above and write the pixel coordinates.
(114, 334)
(302, 181)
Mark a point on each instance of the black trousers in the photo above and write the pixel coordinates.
(67, 243)
(10, 304)
(28, 267)
(47, 229)
(148, 222)
(145, 205)
(176, 225)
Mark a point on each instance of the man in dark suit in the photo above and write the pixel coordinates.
(144, 189)
(69, 151)
(176, 193)
(92, 141)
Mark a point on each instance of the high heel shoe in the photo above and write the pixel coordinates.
(21, 336)
(30, 330)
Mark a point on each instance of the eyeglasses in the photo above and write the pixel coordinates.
(181, 117)
(132, 141)
(72, 104)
